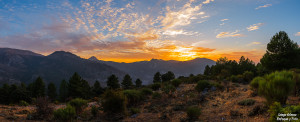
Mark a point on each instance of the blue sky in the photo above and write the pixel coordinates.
(135, 30)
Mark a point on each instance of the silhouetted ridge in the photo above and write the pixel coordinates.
(93, 58)
(63, 54)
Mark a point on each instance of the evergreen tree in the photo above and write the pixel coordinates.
(86, 89)
(246, 65)
(4, 94)
(63, 90)
(168, 76)
(19, 93)
(282, 53)
(157, 77)
(78, 88)
(207, 70)
(113, 82)
(138, 83)
(127, 82)
(97, 89)
(37, 88)
(52, 94)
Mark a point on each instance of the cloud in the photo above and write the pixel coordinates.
(223, 20)
(254, 26)
(229, 34)
(182, 17)
(207, 1)
(253, 43)
(297, 34)
(178, 32)
(264, 6)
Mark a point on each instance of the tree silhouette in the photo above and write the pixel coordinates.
(52, 91)
(63, 90)
(127, 82)
(138, 83)
(157, 77)
(282, 53)
(113, 82)
(37, 88)
(168, 76)
(97, 89)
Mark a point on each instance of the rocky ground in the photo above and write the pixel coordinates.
(216, 105)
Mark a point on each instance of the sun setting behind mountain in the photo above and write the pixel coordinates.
(149, 60)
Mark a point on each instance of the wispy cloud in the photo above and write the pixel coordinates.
(229, 34)
(224, 20)
(297, 34)
(264, 6)
(254, 26)
(253, 43)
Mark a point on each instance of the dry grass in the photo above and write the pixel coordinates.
(217, 106)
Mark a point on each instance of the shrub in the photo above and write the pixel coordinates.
(247, 102)
(43, 109)
(217, 85)
(234, 78)
(134, 111)
(156, 95)
(94, 111)
(276, 108)
(257, 110)
(65, 114)
(146, 91)
(255, 83)
(176, 82)
(133, 96)
(240, 78)
(155, 86)
(193, 112)
(114, 102)
(276, 86)
(23, 103)
(79, 104)
(168, 88)
(201, 85)
(248, 76)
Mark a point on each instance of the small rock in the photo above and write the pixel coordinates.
(134, 115)
(213, 88)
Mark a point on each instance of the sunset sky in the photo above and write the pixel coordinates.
(137, 30)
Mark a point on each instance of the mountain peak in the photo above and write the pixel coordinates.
(93, 58)
(63, 54)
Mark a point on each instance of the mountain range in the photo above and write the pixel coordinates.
(18, 66)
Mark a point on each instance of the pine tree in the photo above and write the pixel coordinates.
(168, 76)
(127, 82)
(52, 94)
(97, 89)
(37, 88)
(113, 82)
(157, 77)
(78, 88)
(4, 94)
(138, 83)
(63, 90)
(282, 53)
(207, 70)
(86, 89)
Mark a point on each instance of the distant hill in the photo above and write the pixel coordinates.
(25, 66)
(145, 70)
